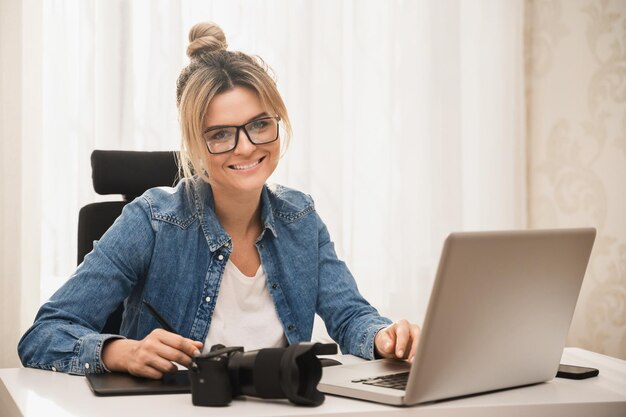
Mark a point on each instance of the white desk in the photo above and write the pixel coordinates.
(31, 392)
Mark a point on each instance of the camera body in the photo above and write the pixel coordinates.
(210, 382)
(228, 372)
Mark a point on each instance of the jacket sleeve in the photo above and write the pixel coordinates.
(66, 335)
(349, 318)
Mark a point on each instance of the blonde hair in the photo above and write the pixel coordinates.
(214, 70)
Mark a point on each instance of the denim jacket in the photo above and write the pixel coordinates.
(169, 248)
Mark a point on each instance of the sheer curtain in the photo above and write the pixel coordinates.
(408, 118)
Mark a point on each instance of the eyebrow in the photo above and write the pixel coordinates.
(248, 121)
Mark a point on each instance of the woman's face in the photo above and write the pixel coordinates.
(247, 167)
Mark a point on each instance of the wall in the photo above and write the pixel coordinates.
(576, 119)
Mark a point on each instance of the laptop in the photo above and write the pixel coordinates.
(498, 317)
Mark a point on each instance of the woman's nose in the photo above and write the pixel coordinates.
(244, 144)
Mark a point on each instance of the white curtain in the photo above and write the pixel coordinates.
(408, 118)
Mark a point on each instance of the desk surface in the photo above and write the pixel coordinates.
(31, 392)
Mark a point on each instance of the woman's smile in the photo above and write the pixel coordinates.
(247, 166)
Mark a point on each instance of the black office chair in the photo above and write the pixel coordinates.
(127, 173)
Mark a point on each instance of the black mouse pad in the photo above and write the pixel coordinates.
(126, 384)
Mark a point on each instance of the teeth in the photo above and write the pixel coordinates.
(241, 167)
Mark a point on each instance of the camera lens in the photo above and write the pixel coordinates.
(227, 372)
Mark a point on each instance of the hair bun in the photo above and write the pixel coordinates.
(205, 37)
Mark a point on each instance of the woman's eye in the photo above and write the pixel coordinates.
(220, 135)
(258, 125)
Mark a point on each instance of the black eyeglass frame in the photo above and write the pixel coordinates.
(242, 127)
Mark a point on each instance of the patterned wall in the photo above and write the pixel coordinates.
(575, 53)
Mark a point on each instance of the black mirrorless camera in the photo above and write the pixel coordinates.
(227, 372)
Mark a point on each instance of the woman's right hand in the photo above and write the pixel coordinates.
(151, 357)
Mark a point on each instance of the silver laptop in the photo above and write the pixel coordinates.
(498, 317)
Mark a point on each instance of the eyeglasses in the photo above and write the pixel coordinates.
(222, 139)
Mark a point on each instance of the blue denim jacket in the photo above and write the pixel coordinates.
(169, 248)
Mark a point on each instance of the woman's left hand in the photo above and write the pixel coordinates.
(398, 340)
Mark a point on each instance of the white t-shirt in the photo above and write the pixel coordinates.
(244, 314)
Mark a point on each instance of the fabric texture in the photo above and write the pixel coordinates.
(169, 248)
(244, 313)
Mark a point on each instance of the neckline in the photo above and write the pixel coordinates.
(242, 275)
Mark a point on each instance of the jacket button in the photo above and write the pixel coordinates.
(274, 286)
(208, 299)
(291, 327)
(221, 257)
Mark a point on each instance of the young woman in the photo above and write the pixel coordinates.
(223, 257)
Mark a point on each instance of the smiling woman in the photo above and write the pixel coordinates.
(408, 124)
(224, 257)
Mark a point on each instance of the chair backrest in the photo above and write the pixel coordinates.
(128, 173)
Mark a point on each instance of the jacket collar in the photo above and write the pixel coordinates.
(214, 233)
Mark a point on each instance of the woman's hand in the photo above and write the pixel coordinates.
(152, 356)
(398, 340)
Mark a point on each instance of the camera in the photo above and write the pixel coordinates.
(228, 372)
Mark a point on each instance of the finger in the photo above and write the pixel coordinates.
(171, 346)
(162, 365)
(198, 344)
(145, 371)
(150, 354)
(415, 338)
(180, 343)
(402, 338)
(173, 355)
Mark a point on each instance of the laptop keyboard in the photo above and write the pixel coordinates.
(395, 381)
